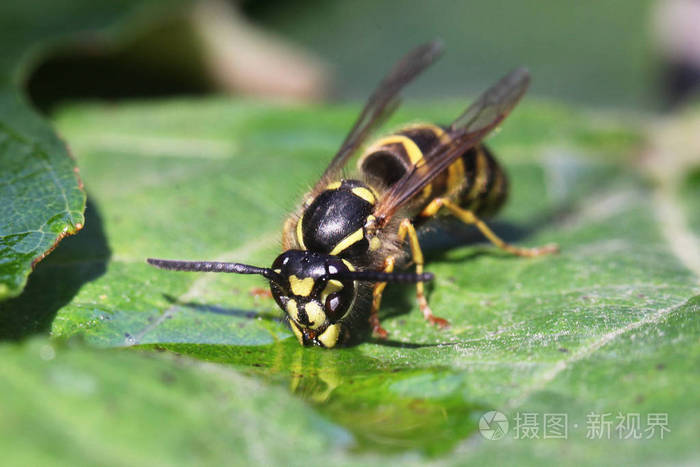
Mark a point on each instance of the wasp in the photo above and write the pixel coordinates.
(346, 238)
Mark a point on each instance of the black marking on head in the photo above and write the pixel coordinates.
(303, 317)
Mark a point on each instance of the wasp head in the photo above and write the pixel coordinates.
(312, 290)
(316, 290)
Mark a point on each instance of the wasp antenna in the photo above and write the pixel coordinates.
(379, 276)
(213, 266)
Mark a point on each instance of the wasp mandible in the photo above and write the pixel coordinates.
(348, 234)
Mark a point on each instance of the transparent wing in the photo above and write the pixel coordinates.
(485, 114)
(381, 104)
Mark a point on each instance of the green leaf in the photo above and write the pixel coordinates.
(80, 407)
(609, 325)
(41, 196)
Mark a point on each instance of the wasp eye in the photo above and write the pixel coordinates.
(332, 305)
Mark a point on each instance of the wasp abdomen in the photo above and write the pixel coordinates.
(475, 180)
(486, 187)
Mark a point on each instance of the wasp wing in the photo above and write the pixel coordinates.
(485, 114)
(381, 104)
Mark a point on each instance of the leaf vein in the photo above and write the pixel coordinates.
(551, 373)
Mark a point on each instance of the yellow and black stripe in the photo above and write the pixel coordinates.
(475, 181)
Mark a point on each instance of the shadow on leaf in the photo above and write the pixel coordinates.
(56, 280)
(219, 310)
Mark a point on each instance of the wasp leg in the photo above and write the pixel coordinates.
(377, 329)
(406, 228)
(469, 217)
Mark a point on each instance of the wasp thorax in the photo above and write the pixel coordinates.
(334, 222)
(308, 291)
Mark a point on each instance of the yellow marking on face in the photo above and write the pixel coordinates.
(332, 286)
(300, 234)
(374, 244)
(330, 336)
(296, 331)
(316, 315)
(301, 287)
(292, 310)
(348, 241)
(333, 186)
(365, 194)
(348, 264)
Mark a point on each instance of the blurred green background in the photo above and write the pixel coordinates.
(597, 53)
